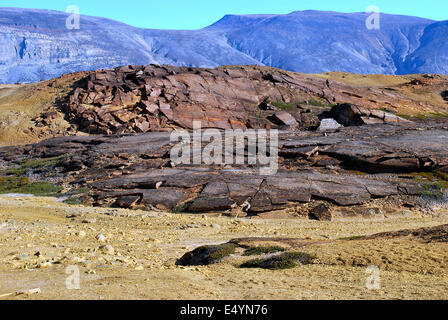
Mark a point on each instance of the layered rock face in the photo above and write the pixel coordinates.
(136, 170)
(138, 99)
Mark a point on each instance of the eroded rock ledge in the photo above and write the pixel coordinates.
(136, 171)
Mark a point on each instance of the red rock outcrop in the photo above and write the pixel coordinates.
(159, 98)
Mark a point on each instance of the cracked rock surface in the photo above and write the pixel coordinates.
(135, 170)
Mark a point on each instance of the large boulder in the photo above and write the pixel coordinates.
(352, 115)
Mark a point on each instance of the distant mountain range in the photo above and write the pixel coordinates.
(36, 45)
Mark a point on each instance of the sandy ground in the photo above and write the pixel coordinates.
(40, 238)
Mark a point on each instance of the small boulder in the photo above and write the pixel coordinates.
(322, 213)
(107, 249)
(166, 110)
(351, 115)
(101, 237)
(127, 201)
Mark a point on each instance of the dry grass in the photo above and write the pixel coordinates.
(20, 104)
(429, 96)
(398, 255)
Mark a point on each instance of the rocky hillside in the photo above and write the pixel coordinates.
(154, 98)
(138, 99)
(35, 44)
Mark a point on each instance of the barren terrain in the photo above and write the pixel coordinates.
(41, 237)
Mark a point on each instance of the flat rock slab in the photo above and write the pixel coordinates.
(135, 170)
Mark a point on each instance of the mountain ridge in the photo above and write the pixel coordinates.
(35, 45)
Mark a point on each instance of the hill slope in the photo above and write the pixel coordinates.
(34, 112)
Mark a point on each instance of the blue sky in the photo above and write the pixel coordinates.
(195, 14)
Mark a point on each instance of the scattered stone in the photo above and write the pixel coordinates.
(107, 249)
(45, 265)
(88, 220)
(30, 291)
(101, 238)
(127, 201)
(72, 216)
(24, 257)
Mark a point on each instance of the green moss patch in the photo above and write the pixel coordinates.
(425, 116)
(318, 103)
(258, 251)
(433, 183)
(432, 190)
(41, 164)
(14, 179)
(388, 110)
(75, 196)
(13, 184)
(284, 106)
(207, 255)
(73, 200)
(282, 261)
